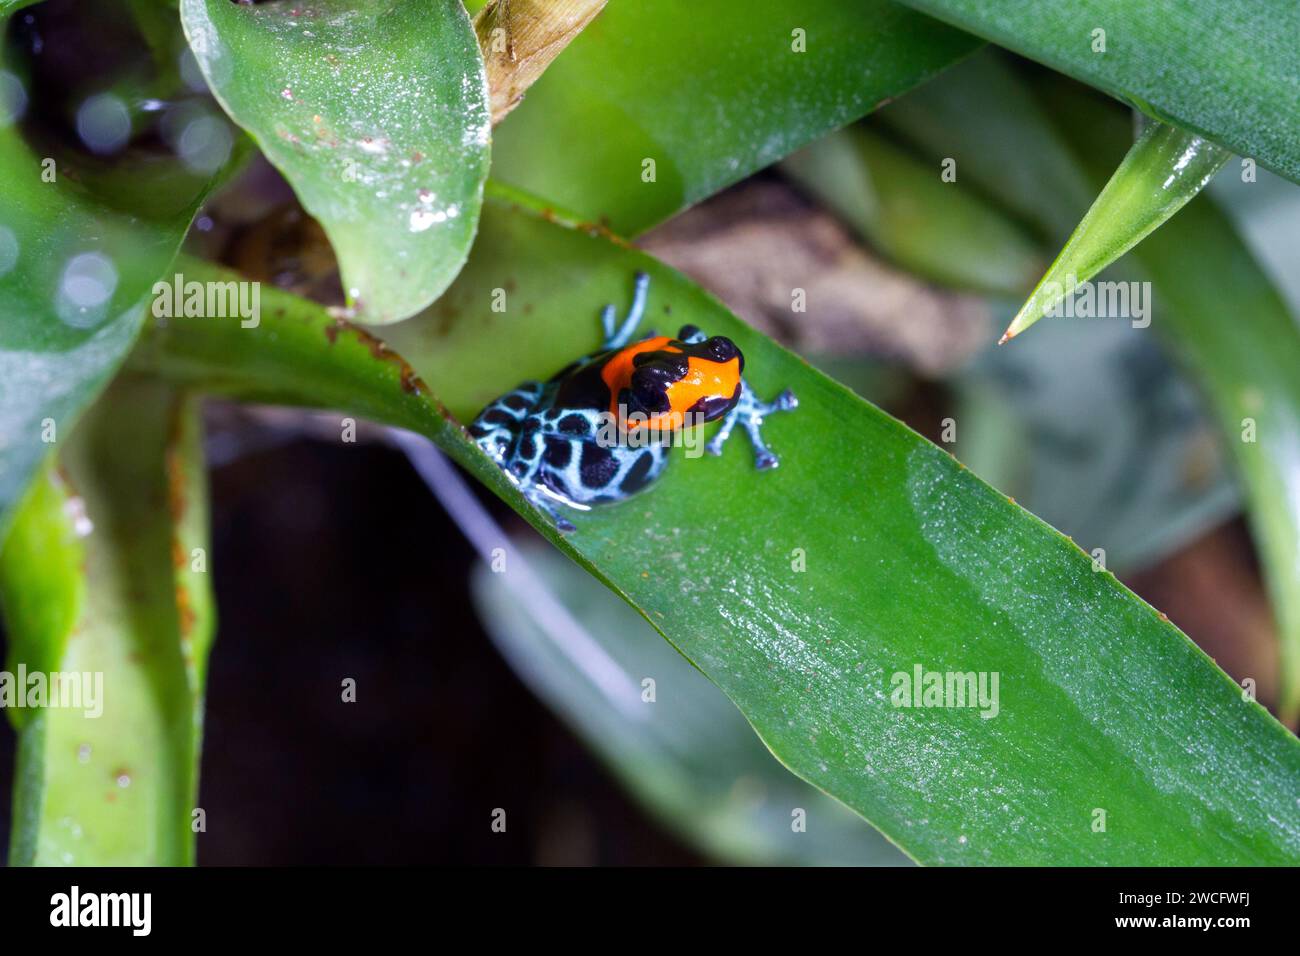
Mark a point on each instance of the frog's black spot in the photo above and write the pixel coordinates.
(583, 389)
(649, 392)
(638, 476)
(528, 446)
(476, 430)
(574, 425)
(556, 484)
(519, 468)
(712, 407)
(497, 417)
(559, 452)
(598, 467)
(666, 366)
(517, 402)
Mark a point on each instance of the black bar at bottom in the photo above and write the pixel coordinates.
(332, 906)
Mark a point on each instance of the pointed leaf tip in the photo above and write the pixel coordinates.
(1163, 171)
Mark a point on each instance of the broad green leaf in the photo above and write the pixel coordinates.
(1224, 316)
(1200, 273)
(100, 577)
(1220, 68)
(661, 103)
(377, 115)
(78, 256)
(802, 592)
(1163, 171)
(688, 755)
(905, 209)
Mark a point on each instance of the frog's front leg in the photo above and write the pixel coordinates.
(617, 338)
(749, 413)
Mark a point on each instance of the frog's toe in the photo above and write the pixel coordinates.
(765, 460)
(785, 401)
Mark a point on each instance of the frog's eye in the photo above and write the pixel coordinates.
(720, 349)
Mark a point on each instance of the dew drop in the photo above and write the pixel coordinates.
(104, 123)
(204, 145)
(75, 509)
(87, 285)
(13, 98)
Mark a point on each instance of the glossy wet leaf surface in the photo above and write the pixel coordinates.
(1223, 315)
(803, 591)
(377, 115)
(687, 754)
(99, 578)
(1220, 68)
(707, 95)
(1211, 300)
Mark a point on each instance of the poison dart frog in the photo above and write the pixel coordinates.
(598, 431)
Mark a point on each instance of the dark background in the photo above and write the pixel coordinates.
(333, 561)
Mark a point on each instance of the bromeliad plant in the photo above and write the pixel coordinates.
(475, 256)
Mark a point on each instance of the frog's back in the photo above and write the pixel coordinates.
(578, 467)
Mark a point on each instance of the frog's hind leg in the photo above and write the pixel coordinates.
(749, 413)
(495, 428)
(617, 338)
(534, 492)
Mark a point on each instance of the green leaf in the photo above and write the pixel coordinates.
(1163, 171)
(1200, 270)
(377, 115)
(688, 756)
(1185, 64)
(77, 262)
(707, 96)
(934, 228)
(980, 114)
(910, 562)
(98, 579)
(1204, 274)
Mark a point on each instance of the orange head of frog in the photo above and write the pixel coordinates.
(665, 383)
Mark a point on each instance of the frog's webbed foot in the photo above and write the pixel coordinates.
(617, 338)
(749, 413)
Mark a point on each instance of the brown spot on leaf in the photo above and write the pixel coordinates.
(410, 381)
(185, 615)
